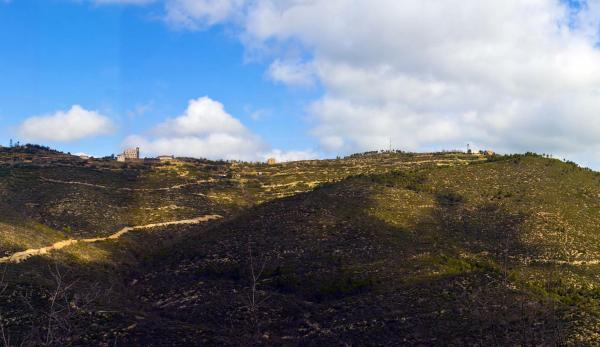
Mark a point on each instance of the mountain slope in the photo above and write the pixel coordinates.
(496, 253)
(374, 249)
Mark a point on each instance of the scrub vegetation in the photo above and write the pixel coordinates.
(374, 249)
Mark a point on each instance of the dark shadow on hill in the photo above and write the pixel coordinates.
(333, 273)
(487, 228)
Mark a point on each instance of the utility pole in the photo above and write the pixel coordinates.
(390, 144)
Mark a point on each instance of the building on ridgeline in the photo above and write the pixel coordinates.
(165, 158)
(487, 153)
(129, 154)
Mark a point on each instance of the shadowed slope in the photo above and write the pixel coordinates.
(435, 256)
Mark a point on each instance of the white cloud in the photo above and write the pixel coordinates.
(514, 75)
(291, 73)
(197, 14)
(206, 130)
(203, 116)
(212, 146)
(64, 126)
(283, 156)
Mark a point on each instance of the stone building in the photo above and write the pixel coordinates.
(165, 157)
(132, 153)
(271, 161)
(129, 154)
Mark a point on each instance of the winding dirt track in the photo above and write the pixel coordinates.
(24, 255)
(177, 186)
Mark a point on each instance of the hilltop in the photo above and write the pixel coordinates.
(372, 249)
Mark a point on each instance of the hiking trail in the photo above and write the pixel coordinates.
(26, 254)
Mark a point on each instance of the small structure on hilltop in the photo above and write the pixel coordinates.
(132, 153)
(488, 153)
(129, 154)
(271, 161)
(84, 156)
(164, 158)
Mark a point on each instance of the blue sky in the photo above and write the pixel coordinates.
(249, 79)
(125, 63)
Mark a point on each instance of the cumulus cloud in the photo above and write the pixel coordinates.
(206, 130)
(513, 75)
(203, 116)
(63, 126)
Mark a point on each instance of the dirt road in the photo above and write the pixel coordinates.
(24, 255)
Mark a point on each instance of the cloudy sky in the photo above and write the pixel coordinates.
(248, 79)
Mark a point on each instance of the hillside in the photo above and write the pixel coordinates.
(376, 249)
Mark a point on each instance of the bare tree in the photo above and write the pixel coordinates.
(52, 323)
(255, 298)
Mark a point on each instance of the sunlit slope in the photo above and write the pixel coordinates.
(82, 199)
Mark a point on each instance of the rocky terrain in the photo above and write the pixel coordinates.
(373, 249)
